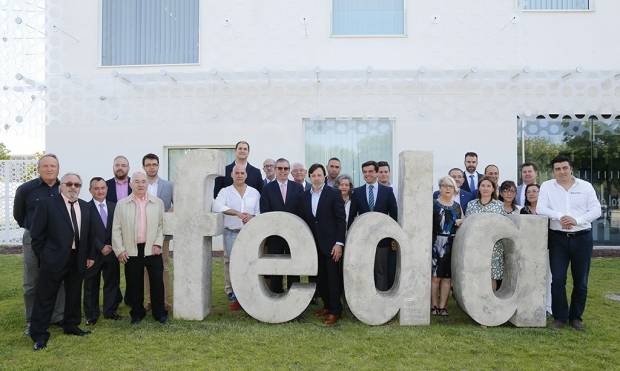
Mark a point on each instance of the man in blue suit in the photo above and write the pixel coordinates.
(464, 196)
(254, 179)
(374, 196)
(281, 195)
(324, 213)
(472, 177)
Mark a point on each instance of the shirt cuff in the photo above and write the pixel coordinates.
(339, 243)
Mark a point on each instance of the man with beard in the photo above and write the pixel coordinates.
(254, 177)
(471, 175)
(333, 170)
(118, 187)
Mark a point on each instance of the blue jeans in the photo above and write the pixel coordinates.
(575, 250)
(229, 239)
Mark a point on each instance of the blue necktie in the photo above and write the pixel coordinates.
(371, 197)
(472, 184)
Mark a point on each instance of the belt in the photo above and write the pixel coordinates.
(572, 234)
(232, 230)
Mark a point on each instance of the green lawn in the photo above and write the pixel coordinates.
(236, 341)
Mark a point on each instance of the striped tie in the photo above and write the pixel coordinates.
(371, 197)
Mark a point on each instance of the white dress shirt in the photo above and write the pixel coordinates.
(579, 202)
(152, 188)
(229, 198)
(316, 195)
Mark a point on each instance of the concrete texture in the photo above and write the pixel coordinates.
(248, 264)
(521, 298)
(193, 227)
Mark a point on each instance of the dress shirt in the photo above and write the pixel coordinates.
(316, 196)
(78, 216)
(229, 198)
(122, 189)
(27, 198)
(468, 179)
(99, 206)
(152, 188)
(521, 196)
(347, 207)
(579, 202)
(140, 218)
(375, 189)
(284, 185)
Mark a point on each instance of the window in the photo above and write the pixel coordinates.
(139, 32)
(354, 141)
(554, 4)
(177, 153)
(368, 17)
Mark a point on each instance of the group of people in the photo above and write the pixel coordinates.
(68, 241)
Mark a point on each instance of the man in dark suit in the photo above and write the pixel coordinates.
(118, 187)
(324, 213)
(60, 239)
(472, 177)
(374, 196)
(269, 167)
(106, 264)
(254, 180)
(281, 195)
(464, 196)
(299, 172)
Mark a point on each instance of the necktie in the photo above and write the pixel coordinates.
(76, 229)
(283, 191)
(472, 184)
(371, 197)
(103, 214)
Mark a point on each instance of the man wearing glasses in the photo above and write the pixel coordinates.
(61, 241)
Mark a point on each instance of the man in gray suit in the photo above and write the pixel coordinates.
(162, 189)
(529, 172)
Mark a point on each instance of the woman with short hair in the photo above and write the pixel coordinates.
(344, 183)
(531, 199)
(508, 195)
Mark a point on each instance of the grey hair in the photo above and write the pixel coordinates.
(138, 172)
(448, 180)
(340, 178)
(299, 165)
(62, 180)
(51, 155)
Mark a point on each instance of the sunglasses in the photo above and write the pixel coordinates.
(71, 184)
(282, 168)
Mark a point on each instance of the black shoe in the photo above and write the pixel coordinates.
(557, 325)
(577, 325)
(27, 329)
(76, 331)
(114, 316)
(91, 322)
(135, 321)
(59, 323)
(38, 345)
(163, 319)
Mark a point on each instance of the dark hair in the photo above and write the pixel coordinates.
(508, 184)
(471, 154)
(313, 167)
(489, 165)
(244, 142)
(383, 163)
(150, 156)
(456, 169)
(371, 163)
(527, 203)
(561, 158)
(95, 179)
(493, 194)
(282, 159)
(333, 159)
(529, 164)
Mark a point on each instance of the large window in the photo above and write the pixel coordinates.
(368, 17)
(593, 144)
(353, 141)
(554, 4)
(177, 153)
(139, 32)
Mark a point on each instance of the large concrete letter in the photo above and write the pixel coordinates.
(247, 265)
(521, 298)
(410, 293)
(193, 227)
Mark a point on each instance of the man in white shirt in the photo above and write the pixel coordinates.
(239, 203)
(571, 205)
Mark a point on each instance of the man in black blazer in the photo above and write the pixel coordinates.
(281, 195)
(374, 196)
(120, 181)
(106, 264)
(324, 213)
(254, 179)
(60, 238)
(472, 177)
(464, 196)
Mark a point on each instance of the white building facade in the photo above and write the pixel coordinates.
(513, 80)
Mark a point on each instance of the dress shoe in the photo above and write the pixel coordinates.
(38, 345)
(114, 316)
(76, 331)
(557, 325)
(27, 329)
(577, 325)
(91, 322)
(330, 319)
(321, 312)
(163, 319)
(136, 320)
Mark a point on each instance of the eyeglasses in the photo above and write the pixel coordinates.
(71, 184)
(509, 190)
(446, 186)
(282, 168)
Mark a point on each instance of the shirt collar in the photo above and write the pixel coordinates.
(121, 182)
(41, 182)
(317, 192)
(65, 199)
(282, 183)
(375, 184)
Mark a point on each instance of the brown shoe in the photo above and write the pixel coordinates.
(330, 319)
(321, 312)
(577, 325)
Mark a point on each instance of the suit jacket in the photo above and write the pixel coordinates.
(52, 234)
(466, 182)
(124, 226)
(306, 185)
(100, 235)
(465, 197)
(111, 195)
(271, 198)
(385, 202)
(329, 225)
(254, 179)
(165, 190)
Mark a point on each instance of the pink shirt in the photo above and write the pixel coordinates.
(140, 218)
(78, 215)
(122, 189)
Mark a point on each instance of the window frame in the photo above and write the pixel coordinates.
(190, 147)
(589, 10)
(331, 26)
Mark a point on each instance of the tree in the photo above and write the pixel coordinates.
(5, 153)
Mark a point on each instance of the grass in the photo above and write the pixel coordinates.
(236, 341)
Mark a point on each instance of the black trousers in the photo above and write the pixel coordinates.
(48, 284)
(330, 284)
(277, 245)
(109, 268)
(382, 281)
(134, 278)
